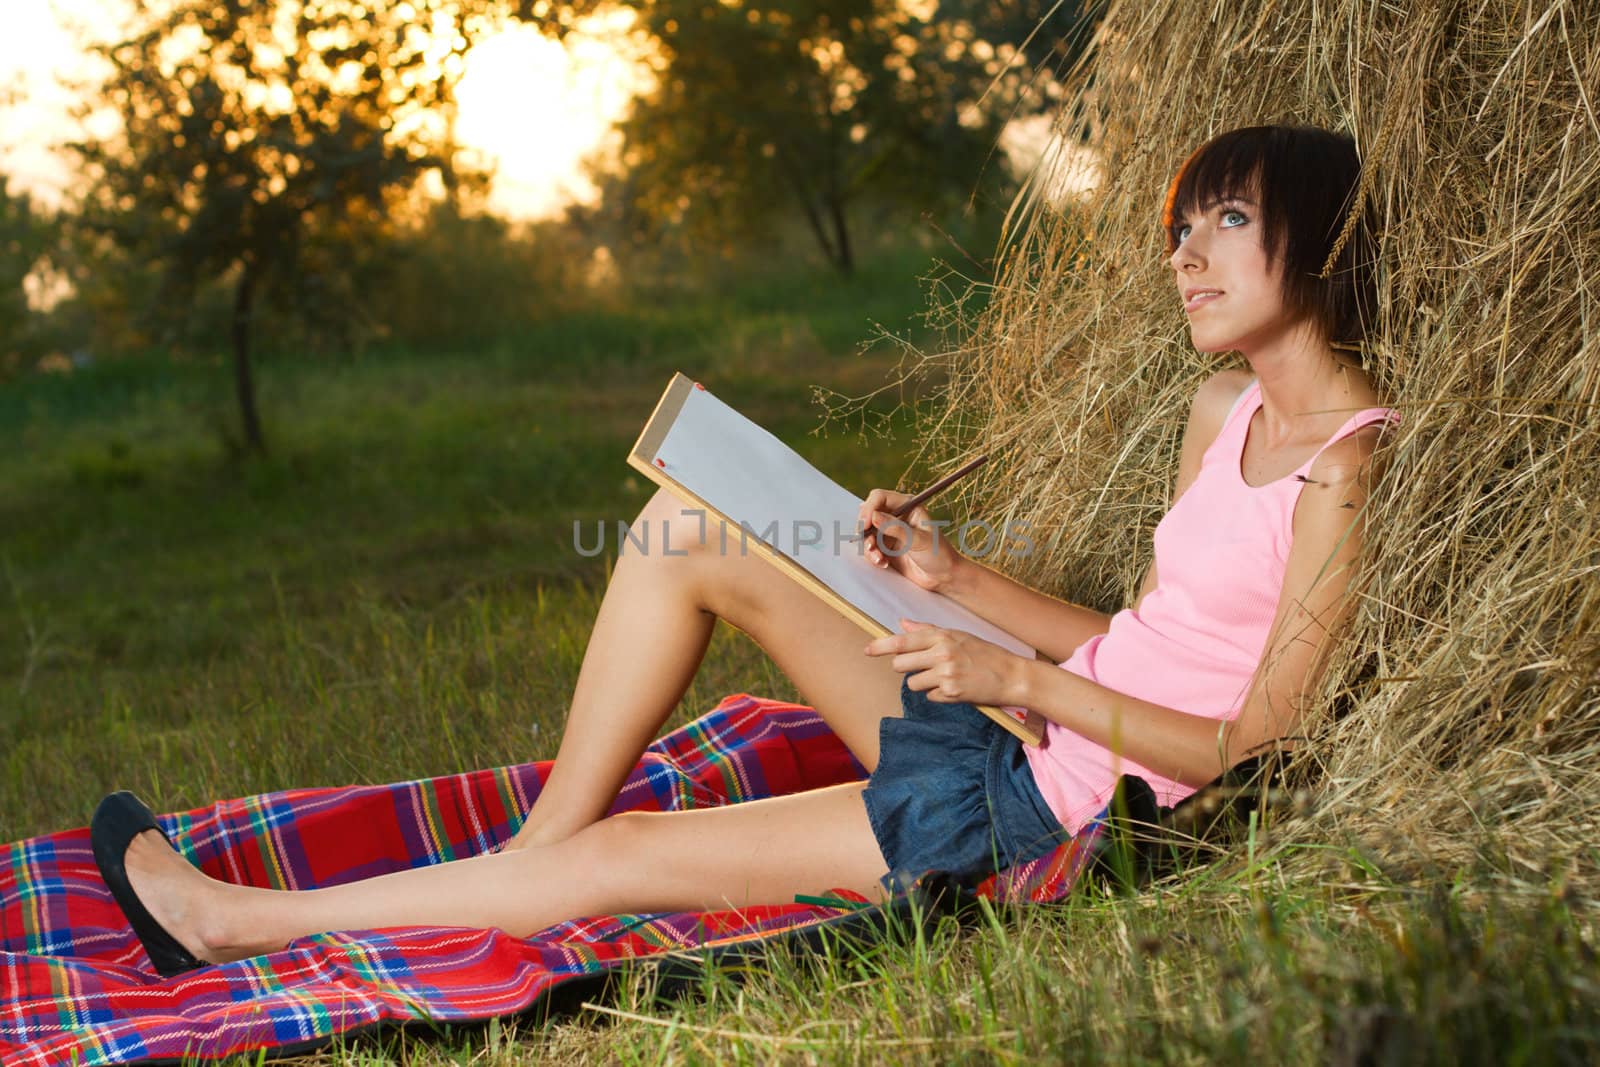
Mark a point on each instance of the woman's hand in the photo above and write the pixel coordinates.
(953, 666)
(912, 545)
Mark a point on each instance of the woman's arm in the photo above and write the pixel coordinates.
(1313, 605)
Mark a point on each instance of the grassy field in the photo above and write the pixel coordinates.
(393, 592)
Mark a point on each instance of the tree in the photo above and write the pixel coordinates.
(25, 237)
(819, 103)
(257, 137)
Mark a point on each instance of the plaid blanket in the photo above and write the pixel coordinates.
(75, 985)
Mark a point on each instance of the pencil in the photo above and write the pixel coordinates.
(927, 494)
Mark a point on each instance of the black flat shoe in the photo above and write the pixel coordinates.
(117, 821)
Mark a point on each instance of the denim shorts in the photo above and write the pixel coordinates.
(953, 792)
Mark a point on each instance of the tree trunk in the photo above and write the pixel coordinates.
(845, 260)
(818, 231)
(795, 177)
(244, 384)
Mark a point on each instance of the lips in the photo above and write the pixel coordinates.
(1198, 297)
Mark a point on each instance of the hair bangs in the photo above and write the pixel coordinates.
(1212, 174)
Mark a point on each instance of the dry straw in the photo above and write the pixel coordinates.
(1468, 692)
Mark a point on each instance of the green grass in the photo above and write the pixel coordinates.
(393, 590)
(393, 593)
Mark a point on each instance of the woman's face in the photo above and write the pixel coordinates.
(1232, 294)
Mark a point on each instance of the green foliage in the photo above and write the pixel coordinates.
(822, 105)
(248, 129)
(457, 279)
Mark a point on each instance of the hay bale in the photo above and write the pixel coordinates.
(1468, 692)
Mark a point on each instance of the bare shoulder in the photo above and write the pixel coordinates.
(1351, 460)
(1213, 400)
(1332, 504)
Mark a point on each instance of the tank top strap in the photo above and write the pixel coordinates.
(1360, 420)
(1230, 439)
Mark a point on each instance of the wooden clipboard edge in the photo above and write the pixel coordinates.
(642, 458)
(659, 422)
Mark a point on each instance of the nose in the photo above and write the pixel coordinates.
(1189, 255)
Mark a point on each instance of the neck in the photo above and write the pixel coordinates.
(1301, 376)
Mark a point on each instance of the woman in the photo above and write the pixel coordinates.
(1252, 567)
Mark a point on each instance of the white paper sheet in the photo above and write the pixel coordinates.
(768, 489)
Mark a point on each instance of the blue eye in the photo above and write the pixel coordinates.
(1183, 232)
(1233, 215)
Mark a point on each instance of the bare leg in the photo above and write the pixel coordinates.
(757, 853)
(650, 636)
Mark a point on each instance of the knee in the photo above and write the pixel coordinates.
(666, 528)
(658, 508)
(604, 852)
(618, 835)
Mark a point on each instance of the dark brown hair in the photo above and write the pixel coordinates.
(1304, 181)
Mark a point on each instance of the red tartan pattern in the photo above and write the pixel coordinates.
(75, 985)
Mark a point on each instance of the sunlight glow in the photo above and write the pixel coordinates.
(36, 51)
(534, 106)
(538, 108)
(1062, 170)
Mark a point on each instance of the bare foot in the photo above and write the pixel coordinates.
(176, 895)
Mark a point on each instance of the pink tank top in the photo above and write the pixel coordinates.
(1194, 641)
